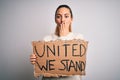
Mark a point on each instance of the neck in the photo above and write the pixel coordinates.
(65, 33)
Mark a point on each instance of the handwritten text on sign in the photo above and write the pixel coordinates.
(60, 57)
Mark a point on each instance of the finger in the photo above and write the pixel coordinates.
(65, 24)
(32, 56)
(60, 28)
(33, 63)
(33, 59)
(63, 27)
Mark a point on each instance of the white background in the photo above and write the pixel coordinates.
(24, 21)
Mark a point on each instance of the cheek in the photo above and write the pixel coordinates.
(58, 21)
(69, 20)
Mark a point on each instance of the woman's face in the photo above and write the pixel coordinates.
(63, 16)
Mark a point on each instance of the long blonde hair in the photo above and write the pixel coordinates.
(57, 27)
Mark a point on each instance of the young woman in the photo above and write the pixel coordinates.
(63, 19)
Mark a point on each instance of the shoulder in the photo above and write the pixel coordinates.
(78, 36)
(50, 37)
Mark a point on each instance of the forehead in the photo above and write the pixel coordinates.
(63, 10)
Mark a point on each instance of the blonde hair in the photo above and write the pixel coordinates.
(57, 27)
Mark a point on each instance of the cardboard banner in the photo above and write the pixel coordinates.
(60, 58)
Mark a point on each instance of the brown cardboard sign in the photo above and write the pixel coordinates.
(58, 58)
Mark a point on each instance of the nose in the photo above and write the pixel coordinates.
(62, 19)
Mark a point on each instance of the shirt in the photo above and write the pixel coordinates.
(70, 36)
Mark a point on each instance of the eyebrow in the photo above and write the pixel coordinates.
(64, 14)
(67, 14)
